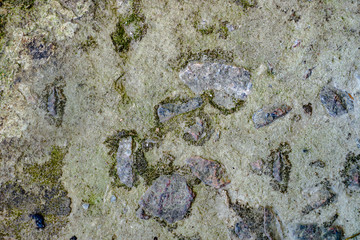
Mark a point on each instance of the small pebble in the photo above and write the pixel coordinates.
(308, 108)
(39, 220)
(112, 198)
(269, 114)
(73, 238)
(85, 206)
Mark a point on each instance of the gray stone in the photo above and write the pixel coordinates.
(125, 160)
(168, 198)
(167, 111)
(337, 102)
(85, 206)
(351, 172)
(269, 114)
(229, 83)
(198, 130)
(257, 223)
(314, 232)
(113, 198)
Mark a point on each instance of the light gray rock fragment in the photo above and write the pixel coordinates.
(125, 161)
(167, 111)
(269, 114)
(229, 83)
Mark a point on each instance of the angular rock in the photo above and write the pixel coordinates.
(337, 102)
(351, 172)
(208, 171)
(168, 198)
(315, 232)
(269, 114)
(230, 84)
(308, 108)
(125, 161)
(167, 111)
(318, 197)
(198, 131)
(257, 223)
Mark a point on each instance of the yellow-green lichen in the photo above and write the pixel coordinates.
(51, 171)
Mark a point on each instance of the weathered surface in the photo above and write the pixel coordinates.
(269, 114)
(54, 103)
(208, 171)
(351, 172)
(277, 166)
(315, 232)
(228, 82)
(317, 197)
(337, 102)
(168, 198)
(125, 161)
(167, 111)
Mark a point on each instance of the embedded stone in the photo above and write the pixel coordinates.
(314, 232)
(168, 198)
(208, 171)
(197, 131)
(230, 84)
(167, 111)
(257, 223)
(125, 160)
(54, 103)
(277, 165)
(337, 102)
(269, 114)
(351, 172)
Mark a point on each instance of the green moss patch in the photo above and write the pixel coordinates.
(128, 29)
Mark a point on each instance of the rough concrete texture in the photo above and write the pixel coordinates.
(79, 76)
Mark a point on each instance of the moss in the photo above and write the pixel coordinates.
(164, 167)
(128, 29)
(50, 172)
(223, 31)
(23, 4)
(120, 88)
(88, 44)
(246, 4)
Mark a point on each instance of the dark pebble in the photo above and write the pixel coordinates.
(308, 108)
(73, 238)
(39, 220)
